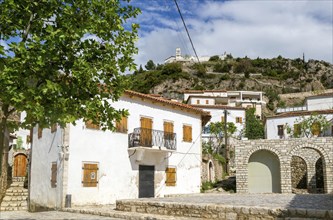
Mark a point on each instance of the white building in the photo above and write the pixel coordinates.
(243, 99)
(155, 151)
(188, 58)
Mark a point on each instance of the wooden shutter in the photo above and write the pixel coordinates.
(187, 133)
(40, 132)
(90, 175)
(170, 176)
(54, 175)
(297, 129)
(207, 102)
(121, 126)
(222, 119)
(146, 132)
(240, 120)
(198, 102)
(168, 130)
(90, 125)
(315, 128)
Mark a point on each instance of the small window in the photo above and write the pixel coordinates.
(54, 175)
(187, 133)
(40, 132)
(53, 128)
(170, 173)
(121, 126)
(207, 102)
(239, 120)
(222, 119)
(90, 125)
(280, 130)
(198, 102)
(297, 130)
(89, 174)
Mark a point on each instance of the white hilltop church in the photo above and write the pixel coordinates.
(188, 58)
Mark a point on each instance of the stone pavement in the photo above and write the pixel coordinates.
(219, 206)
(54, 215)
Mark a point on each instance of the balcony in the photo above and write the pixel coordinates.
(154, 139)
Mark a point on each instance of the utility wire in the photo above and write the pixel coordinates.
(188, 34)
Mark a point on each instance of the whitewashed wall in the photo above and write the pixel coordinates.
(319, 103)
(272, 125)
(45, 151)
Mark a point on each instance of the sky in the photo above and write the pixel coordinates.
(252, 28)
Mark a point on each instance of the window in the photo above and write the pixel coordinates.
(40, 132)
(280, 130)
(121, 126)
(90, 125)
(239, 120)
(207, 102)
(315, 128)
(168, 130)
(222, 119)
(297, 130)
(198, 102)
(187, 133)
(90, 174)
(54, 175)
(170, 179)
(53, 128)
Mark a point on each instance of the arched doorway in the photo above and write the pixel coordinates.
(20, 165)
(298, 174)
(211, 176)
(264, 172)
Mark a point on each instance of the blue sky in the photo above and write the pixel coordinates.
(253, 28)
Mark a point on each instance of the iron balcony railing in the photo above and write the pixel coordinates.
(144, 137)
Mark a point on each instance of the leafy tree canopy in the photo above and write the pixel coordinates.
(63, 58)
(150, 65)
(254, 129)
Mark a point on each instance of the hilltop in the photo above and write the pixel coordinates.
(273, 76)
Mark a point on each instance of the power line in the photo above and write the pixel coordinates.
(188, 34)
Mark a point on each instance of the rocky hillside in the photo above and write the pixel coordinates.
(273, 76)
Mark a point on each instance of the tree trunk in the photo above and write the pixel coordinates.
(4, 148)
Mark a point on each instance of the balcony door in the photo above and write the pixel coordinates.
(146, 131)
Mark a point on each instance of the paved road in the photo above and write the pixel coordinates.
(54, 215)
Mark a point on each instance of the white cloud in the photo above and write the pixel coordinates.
(254, 28)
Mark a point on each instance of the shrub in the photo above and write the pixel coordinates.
(214, 58)
(171, 68)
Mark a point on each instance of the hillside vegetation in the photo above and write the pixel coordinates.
(272, 76)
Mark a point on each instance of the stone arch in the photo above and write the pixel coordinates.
(264, 172)
(325, 161)
(211, 171)
(258, 148)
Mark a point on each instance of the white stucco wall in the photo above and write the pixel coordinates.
(46, 150)
(272, 125)
(319, 103)
(231, 117)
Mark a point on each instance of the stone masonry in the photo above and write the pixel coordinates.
(309, 149)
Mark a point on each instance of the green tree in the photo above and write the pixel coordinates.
(254, 128)
(314, 125)
(150, 65)
(63, 61)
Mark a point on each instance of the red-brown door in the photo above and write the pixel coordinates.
(20, 165)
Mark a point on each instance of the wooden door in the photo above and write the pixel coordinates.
(146, 132)
(146, 181)
(20, 165)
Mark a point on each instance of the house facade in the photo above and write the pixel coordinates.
(321, 104)
(153, 152)
(243, 99)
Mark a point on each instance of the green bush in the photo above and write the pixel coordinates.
(214, 58)
(171, 68)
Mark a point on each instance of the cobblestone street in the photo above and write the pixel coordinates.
(24, 215)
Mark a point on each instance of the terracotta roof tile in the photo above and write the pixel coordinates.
(301, 113)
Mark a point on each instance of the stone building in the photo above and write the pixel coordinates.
(211, 169)
(265, 166)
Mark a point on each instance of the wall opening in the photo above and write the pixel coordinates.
(319, 176)
(211, 176)
(264, 172)
(298, 174)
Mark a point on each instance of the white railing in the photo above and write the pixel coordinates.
(291, 109)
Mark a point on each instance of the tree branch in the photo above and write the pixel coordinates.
(27, 29)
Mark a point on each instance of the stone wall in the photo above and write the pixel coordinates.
(217, 168)
(298, 173)
(309, 149)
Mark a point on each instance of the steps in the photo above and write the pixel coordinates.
(16, 196)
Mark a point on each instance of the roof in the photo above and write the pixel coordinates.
(219, 107)
(202, 91)
(301, 113)
(205, 115)
(330, 94)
